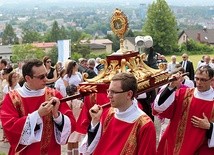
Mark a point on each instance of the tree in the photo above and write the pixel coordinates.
(116, 41)
(54, 34)
(63, 33)
(30, 36)
(161, 25)
(9, 36)
(53, 54)
(33, 24)
(129, 33)
(26, 51)
(83, 50)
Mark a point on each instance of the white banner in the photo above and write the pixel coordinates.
(64, 50)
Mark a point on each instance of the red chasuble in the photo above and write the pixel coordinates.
(122, 138)
(84, 118)
(181, 137)
(14, 115)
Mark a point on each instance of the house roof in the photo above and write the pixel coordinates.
(97, 41)
(45, 45)
(202, 35)
(131, 39)
(97, 46)
(5, 49)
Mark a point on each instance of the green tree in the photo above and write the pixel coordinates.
(129, 33)
(26, 51)
(82, 49)
(63, 33)
(30, 36)
(33, 24)
(54, 34)
(53, 54)
(75, 36)
(115, 40)
(161, 25)
(9, 36)
(75, 56)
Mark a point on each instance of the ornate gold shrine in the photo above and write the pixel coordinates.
(126, 61)
(119, 25)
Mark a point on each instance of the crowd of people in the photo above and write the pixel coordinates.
(34, 120)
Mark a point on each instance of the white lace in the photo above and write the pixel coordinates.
(30, 136)
(62, 137)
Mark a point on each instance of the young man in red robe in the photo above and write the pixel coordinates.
(122, 129)
(184, 107)
(34, 120)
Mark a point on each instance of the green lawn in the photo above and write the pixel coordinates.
(193, 58)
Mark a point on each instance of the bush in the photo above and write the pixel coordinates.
(193, 47)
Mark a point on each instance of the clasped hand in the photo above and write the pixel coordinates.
(48, 106)
(95, 113)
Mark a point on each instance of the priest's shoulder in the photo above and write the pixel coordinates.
(144, 119)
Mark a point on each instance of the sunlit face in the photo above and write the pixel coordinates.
(173, 59)
(207, 59)
(203, 81)
(48, 62)
(39, 79)
(76, 68)
(185, 57)
(84, 64)
(118, 98)
(15, 78)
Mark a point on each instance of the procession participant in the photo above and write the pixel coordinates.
(124, 128)
(33, 119)
(180, 106)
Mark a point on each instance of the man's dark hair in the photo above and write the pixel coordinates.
(71, 89)
(3, 61)
(7, 70)
(128, 82)
(28, 65)
(207, 69)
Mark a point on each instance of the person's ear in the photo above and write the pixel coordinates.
(27, 77)
(130, 94)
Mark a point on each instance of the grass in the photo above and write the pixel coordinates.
(193, 58)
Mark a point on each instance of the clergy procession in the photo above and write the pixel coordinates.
(35, 119)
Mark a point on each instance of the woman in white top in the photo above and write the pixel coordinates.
(72, 75)
(61, 84)
(12, 84)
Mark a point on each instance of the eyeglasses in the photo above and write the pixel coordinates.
(112, 92)
(48, 61)
(41, 77)
(201, 79)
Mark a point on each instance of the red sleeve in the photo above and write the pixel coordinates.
(170, 111)
(11, 121)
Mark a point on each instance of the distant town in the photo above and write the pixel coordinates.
(94, 18)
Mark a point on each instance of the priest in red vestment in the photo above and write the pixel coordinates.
(123, 129)
(34, 120)
(182, 107)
